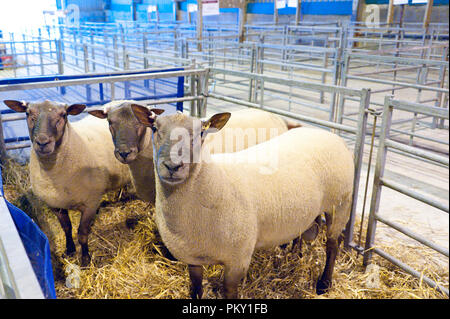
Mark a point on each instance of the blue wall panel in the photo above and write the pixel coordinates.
(93, 10)
(327, 8)
(435, 2)
(90, 10)
(314, 8)
(260, 7)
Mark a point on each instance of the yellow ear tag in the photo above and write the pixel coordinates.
(206, 126)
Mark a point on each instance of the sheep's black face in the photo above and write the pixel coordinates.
(46, 122)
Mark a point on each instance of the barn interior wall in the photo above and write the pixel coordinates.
(258, 11)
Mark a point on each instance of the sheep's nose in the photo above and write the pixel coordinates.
(124, 154)
(173, 168)
(42, 141)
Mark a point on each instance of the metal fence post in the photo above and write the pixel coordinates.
(59, 56)
(92, 51)
(126, 66)
(116, 57)
(324, 75)
(283, 51)
(252, 65)
(144, 49)
(3, 154)
(336, 69)
(442, 71)
(113, 91)
(193, 110)
(379, 170)
(261, 54)
(126, 60)
(41, 58)
(358, 156)
(86, 70)
(204, 92)
(85, 58)
(343, 75)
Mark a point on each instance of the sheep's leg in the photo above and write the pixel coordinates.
(87, 217)
(231, 283)
(334, 230)
(196, 276)
(325, 280)
(66, 225)
(298, 241)
(294, 242)
(233, 276)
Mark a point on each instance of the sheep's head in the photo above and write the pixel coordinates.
(46, 122)
(126, 131)
(177, 141)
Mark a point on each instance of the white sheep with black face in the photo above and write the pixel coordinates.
(71, 164)
(221, 208)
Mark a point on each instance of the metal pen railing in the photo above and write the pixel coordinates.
(386, 144)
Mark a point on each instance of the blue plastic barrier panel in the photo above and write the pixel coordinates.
(37, 247)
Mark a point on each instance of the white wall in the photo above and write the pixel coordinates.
(20, 15)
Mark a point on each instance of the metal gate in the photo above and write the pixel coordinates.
(385, 144)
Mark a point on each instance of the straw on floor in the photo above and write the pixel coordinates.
(129, 259)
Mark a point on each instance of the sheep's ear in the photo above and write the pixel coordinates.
(215, 123)
(18, 106)
(99, 113)
(75, 109)
(144, 115)
(157, 111)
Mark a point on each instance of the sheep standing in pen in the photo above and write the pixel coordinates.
(71, 164)
(221, 208)
(132, 140)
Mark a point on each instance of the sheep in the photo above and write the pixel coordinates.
(71, 164)
(133, 145)
(221, 208)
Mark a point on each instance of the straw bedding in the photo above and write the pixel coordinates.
(129, 259)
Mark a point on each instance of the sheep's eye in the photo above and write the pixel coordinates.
(31, 117)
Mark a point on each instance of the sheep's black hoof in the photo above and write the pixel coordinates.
(131, 223)
(196, 292)
(322, 286)
(70, 250)
(85, 260)
(67, 255)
